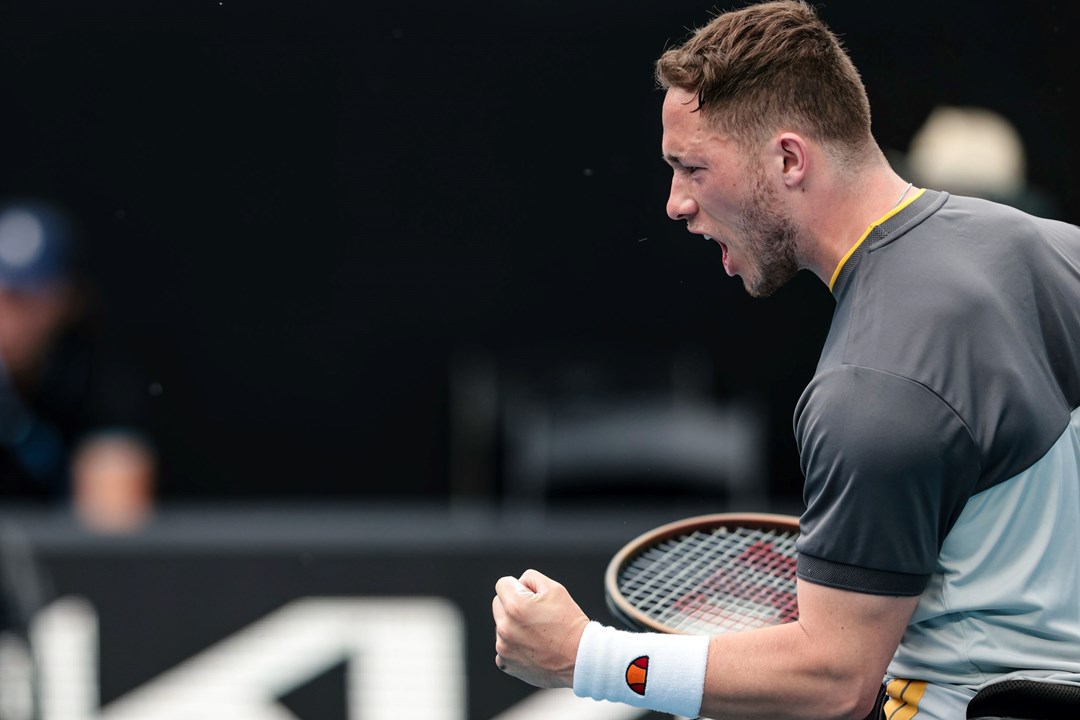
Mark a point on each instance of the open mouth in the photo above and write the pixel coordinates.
(724, 248)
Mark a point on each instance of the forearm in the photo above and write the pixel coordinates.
(828, 664)
(785, 672)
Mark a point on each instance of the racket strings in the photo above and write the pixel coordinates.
(721, 579)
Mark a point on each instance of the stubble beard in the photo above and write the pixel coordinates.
(771, 239)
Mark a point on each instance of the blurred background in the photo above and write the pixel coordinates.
(319, 229)
(415, 255)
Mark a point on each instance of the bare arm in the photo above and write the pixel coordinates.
(828, 664)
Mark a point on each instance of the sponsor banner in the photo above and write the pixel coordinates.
(265, 615)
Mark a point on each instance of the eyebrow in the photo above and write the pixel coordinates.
(673, 159)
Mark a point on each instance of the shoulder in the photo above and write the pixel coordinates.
(889, 466)
(873, 414)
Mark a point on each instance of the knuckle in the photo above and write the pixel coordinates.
(512, 610)
(505, 632)
(501, 646)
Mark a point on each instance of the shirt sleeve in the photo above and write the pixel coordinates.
(889, 466)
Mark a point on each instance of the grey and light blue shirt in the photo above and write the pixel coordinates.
(940, 439)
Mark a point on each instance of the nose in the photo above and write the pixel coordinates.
(680, 206)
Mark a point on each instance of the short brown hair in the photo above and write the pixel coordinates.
(771, 65)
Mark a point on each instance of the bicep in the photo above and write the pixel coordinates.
(859, 631)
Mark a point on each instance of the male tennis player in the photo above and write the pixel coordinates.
(940, 435)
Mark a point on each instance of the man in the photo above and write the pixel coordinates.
(70, 422)
(940, 436)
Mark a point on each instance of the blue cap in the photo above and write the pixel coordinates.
(36, 244)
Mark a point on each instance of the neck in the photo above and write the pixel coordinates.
(838, 214)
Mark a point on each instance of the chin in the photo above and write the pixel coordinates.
(762, 287)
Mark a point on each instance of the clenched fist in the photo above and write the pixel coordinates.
(537, 630)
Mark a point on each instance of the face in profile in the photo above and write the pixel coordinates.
(722, 192)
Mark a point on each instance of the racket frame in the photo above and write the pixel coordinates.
(634, 618)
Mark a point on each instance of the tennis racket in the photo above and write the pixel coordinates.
(707, 575)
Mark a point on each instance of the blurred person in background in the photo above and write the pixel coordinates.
(72, 426)
(976, 151)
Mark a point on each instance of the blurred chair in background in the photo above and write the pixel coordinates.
(71, 426)
(637, 434)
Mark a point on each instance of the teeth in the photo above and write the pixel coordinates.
(708, 237)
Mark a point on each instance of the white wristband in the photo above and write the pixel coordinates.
(665, 673)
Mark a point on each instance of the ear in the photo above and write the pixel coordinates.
(791, 150)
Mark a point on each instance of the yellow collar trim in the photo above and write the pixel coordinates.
(883, 218)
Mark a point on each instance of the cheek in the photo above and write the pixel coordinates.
(722, 195)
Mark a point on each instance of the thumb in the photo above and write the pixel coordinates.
(535, 581)
(511, 585)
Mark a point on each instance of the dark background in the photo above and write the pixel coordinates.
(302, 214)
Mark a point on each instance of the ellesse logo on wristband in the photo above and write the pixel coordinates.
(637, 674)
